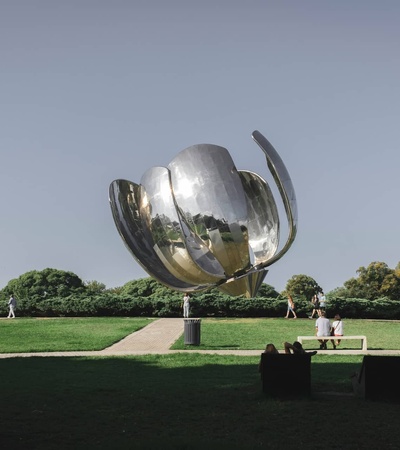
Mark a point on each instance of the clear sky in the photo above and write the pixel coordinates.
(94, 90)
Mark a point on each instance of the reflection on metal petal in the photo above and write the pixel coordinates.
(201, 223)
(247, 284)
(171, 243)
(125, 201)
(210, 196)
(286, 189)
(262, 217)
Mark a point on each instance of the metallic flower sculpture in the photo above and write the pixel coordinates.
(201, 223)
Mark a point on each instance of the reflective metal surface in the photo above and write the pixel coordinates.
(201, 223)
(286, 189)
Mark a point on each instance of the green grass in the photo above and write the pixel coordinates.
(254, 334)
(74, 334)
(183, 401)
(65, 334)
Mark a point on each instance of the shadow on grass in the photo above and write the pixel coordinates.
(173, 401)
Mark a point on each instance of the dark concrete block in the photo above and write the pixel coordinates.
(286, 375)
(379, 378)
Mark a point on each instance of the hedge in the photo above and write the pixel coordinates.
(202, 305)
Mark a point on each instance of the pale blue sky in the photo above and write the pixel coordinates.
(97, 90)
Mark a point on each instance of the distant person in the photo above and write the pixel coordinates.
(290, 308)
(322, 328)
(337, 329)
(12, 304)
(322, 302)
(186, 305)
(297, 349)
(315, 303)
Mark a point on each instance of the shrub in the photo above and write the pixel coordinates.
(209, 304)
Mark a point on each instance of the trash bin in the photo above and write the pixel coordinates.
(191, 331)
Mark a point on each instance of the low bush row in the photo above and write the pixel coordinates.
(202, 305)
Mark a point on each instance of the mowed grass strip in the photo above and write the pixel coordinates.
(23, 335)
(254, 334)
(84, 334)
(183, 401)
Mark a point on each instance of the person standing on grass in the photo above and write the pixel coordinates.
(290, 307)
(322, 302)
(186, 305)
(12, 304)
(322, 328)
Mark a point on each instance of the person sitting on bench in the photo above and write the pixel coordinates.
(270, 348)
(296, 348)
(322, 328)
(337, 330)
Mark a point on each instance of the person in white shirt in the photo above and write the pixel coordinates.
(337, 328)
(322, 301)
(322, 328)
(12, 304)
(186, 305)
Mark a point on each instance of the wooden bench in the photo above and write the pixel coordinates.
(363, 339)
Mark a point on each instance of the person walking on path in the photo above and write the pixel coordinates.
(12, 304)
(186, 305)
(290, 308)
(322, 328)
(315, 303)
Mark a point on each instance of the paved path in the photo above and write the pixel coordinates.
(159, 335)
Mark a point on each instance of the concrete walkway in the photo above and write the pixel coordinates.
(159, 335)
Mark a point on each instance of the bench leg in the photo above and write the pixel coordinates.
(364, 344)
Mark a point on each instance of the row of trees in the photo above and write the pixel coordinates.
(374, 282)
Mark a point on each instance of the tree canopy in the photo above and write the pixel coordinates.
(376, 280)
(302, 286)
(145, 287)
(266, 290)
(43, 284)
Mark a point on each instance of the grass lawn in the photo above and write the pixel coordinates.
(183, 401)
(96, 333)
(65, 334)
(254, 334)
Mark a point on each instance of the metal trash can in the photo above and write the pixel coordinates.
(191, 331)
